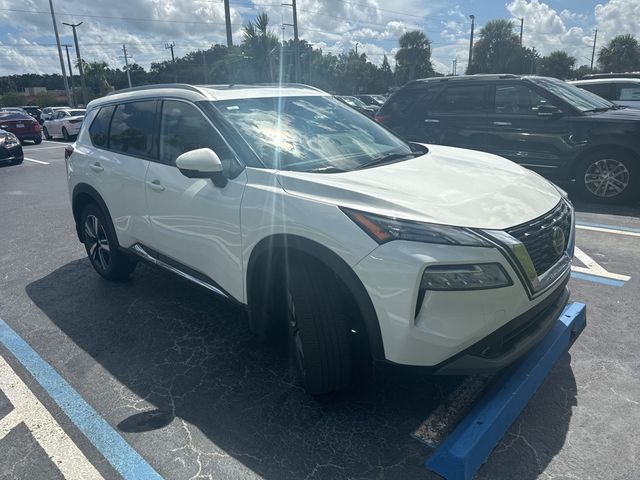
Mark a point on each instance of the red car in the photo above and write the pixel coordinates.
(22, 126)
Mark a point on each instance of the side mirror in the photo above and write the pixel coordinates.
(202, 163)
(549, 111)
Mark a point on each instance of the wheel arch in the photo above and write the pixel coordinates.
(258, 269)
(84, 194)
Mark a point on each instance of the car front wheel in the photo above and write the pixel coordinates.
(608, 177)
(46, 133)
(65, 134)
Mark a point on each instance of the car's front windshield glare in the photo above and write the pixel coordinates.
(310, 133)
(577, 97)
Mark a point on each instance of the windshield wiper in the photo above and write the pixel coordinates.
(387, 158)
(329, 169)
(600, 109)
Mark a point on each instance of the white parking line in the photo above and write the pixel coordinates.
(65, 454)
(36, 161)
(56, 143)
(608, 230)
(36, 149)
(594, 268)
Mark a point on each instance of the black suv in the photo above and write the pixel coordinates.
(562, 132)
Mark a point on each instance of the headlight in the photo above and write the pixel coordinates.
(9, 139)
(385, 229)
(465, 277)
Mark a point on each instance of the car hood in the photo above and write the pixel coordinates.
(448, 185)
(630, 114)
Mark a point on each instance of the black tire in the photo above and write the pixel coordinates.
(318, 333)
(46, 133)
(37, 141)
(65, 134)
(608, 177)
(102, 246)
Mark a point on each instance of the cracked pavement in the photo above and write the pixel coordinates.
(177, 373)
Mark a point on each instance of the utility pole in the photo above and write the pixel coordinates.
(80, 66)
(126, 63)
(357, 48)
(204, 68)
(521, 29)
(296, 39)
(454, 66)
(55, 30)
(73, 93)
(169, 46)
(227, 21)
(473, 18)
(533, 61)
(593, 52)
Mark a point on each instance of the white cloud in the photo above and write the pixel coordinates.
(618, 17)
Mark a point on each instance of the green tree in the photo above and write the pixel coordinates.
(498, 50)
(261, 46)
(13, 99)
(557, 64)
(622, 54)
(386, 75)
(414, 57)
(580, 72)
(45, 99)
(96, 74)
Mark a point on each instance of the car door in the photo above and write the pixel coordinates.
(457, 116)
(196, 223)
(58, 122)
(518, 131)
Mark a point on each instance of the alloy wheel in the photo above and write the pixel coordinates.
(97, 242)
(606, 178)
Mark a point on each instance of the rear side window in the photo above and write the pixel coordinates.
(462, 99)
(99, 130)
(604, 90)
(184, 128)
(132, 128)
(628, 91)
(517, 100)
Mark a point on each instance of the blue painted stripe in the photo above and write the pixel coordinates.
(610, 227)
(108, 442)
(468, 447)
(594, 278)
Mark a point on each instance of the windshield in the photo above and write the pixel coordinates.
(311, 133)
(581, 99)
(14, 116)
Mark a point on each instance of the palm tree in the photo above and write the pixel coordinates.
(261, 46)
(414, 55)
(622, 54)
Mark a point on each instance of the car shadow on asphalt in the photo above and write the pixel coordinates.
(194, 359)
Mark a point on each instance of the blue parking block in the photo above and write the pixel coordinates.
(469, 446)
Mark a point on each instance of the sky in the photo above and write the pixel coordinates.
(27, 42)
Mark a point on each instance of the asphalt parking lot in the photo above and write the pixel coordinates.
(174, 383)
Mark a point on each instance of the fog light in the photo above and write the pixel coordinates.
(465, 277)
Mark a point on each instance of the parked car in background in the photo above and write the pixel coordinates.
(34, 111)
(358, 105)
(10, 148)
(559, 130)
(12, 109)
(621, 91)
(48, 112)
(373, 100)
(325, 226)
(65, 124)
(22, 125)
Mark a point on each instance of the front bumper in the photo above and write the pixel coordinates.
(11, 153)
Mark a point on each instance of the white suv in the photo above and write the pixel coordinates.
(316, 218)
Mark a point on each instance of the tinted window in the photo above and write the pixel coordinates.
(411, 101)
(99, 130)
(628, 91)
(461, 99)
(14, 116)
(132, 128)
(184, 128)
(517, 100)
(603, 90)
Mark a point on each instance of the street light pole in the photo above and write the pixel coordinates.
(64, 72)
(85, 99)
(593, 52)
(73, 93)
(227, 22)
(521, 29)
(472, 17)
(126, 63)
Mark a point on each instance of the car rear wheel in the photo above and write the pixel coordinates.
(102, 247)
(317, 325)
(608, 177)
(65, 134)
(46, 133)
(37, 141)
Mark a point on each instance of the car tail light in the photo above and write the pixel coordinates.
(379, 118)
(68, 150)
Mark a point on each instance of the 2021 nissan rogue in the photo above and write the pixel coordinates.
(321, 221)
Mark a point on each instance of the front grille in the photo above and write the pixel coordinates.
(537, 236)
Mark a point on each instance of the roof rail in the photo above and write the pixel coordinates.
(477, 76)
(182, 86)
(262, 85)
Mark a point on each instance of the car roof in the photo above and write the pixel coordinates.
(606, 80)
(209, 92)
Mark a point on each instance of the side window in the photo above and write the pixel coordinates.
(462, 99)
(604, 90)
(517, 100)
(628, 91)
(184, 128)
(99, 130)
(132, 128)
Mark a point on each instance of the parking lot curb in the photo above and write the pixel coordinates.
(469, 446)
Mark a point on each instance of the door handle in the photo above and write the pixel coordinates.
(96, 167)
(502, 124)
(155, 185)
(431, 120)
